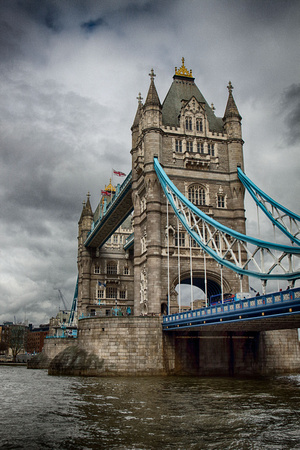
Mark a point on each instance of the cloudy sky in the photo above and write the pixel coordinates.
(70, 74)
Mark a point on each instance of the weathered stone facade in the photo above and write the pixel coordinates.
(200, 153)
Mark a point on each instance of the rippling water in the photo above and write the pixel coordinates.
(42, 412)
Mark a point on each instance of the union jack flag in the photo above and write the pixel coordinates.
(106, 193)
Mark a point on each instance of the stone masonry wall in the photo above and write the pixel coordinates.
(127, 346)
(279, 352)
(56, 345)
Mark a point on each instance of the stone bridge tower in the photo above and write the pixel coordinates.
(200, 152)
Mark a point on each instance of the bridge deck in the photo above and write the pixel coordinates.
(279, 310)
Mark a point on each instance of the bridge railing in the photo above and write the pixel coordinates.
(260, 302)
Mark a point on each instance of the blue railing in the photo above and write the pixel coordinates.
(252, 307)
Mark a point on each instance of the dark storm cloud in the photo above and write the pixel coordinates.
(291, 109)
(91, 25)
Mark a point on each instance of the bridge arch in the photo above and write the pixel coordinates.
(213, 281)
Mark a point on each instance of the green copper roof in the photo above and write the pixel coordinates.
(184, 88)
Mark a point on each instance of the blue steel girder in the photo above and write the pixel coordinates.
(243, 254)
(118, 210)
(284, 219)
(278, 310)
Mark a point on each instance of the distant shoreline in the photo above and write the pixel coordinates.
(12, 364)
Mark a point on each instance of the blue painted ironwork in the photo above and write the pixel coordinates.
(263, 200)
(225, 245)
(283, 303)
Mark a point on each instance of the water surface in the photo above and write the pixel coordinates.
(42, 412)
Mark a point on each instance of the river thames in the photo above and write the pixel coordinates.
(42, 412)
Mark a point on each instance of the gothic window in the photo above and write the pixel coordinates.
(111, 292)
(112, 268)
(178, 145)
(189, 146)
(96, 269)
(115, 240)
(200, 147)
(126, 270)
(199, 125)
(122, 294)
(211, 149)
(181, 239)
(188, 123)
(197, 195)
(221, 201)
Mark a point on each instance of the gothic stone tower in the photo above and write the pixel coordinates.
(200, 153)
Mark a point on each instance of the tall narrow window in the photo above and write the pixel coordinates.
(211, 149)
(200, 147)
(189, 146)
(197, 195)
(221, 201)
(178, 145)
(188, 123)
(199, 125)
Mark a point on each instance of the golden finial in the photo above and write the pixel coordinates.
(182, 71)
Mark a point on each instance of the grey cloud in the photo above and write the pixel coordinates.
(291, 107)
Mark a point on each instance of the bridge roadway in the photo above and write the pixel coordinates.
(279, 310)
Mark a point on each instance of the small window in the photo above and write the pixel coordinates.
(178, 146)
(199, 125)
(97, 269)
(189, 146)
(100, 293)
(200, 147)
(126, 270)
(221, 201)
(181, 239)
(115, 241)
(122, 294)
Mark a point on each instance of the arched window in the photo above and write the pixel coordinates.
(199, 125)
(112, 268)
(188, 123)
(197, 195)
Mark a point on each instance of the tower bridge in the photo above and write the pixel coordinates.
(179, 218)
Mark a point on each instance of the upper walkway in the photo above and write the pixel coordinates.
(279, 310)
(119, 208)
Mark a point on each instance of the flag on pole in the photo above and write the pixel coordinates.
(119, 174)
(106, 193)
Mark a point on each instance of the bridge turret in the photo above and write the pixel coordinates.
(152, 122)
(84, 256)
(233, 129)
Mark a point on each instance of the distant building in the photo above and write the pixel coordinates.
(36, 337)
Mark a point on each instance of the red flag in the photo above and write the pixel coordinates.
(119, 174)
(106, 193)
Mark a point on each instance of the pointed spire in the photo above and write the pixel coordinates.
(231, 108)
(152, 97)
(88, 207)
(138, 112)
